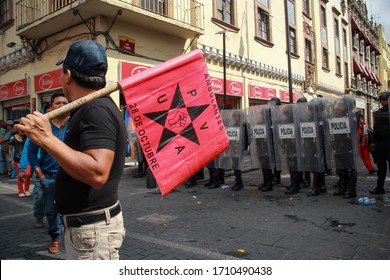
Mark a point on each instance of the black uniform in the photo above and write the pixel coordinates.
(381, 138)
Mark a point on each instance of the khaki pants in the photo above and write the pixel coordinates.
(98, 241)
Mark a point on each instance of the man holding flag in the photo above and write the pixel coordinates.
(91, 157)
(174, 110)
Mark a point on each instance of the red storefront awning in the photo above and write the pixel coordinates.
(378, 80)
(13, 90)
(358, 69)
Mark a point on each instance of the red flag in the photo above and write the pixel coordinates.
(176, 117)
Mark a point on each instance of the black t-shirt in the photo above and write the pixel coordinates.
(97, 125)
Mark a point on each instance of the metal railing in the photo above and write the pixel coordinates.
(189, 12)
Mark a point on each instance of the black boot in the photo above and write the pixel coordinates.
(199, 175)
(191, 182)
(351, 184)
(277, 177)
(296, 178)
(321, 182)
(378, 190)
(220, 179)
(213, 177)
(315, 191)
(306, 183)
(267, 187)
(339, 182)
(342, 184)
(294, 188)
(306, 180)
(238, 186)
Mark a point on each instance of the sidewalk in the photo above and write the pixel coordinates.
(199, 223)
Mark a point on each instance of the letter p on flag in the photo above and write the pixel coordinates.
(173, 105)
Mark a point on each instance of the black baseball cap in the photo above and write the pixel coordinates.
(87, 57)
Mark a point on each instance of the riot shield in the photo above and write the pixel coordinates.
(234, 122)
(261, 139)
(342, 122)
(312, 126)
(286, 142)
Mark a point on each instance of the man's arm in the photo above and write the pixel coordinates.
(91, 167)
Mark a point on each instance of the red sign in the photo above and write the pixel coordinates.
(14, 89)
(232, 88)
(130, 69)
(285, 96)
(259, 92)
(127, 44)
(176, 118)
(48, 81)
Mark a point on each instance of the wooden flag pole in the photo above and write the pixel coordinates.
(110, 87)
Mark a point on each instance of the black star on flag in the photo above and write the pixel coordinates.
(177, 120)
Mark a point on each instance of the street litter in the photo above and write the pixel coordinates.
(365, 200)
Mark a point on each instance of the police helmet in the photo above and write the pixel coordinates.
(318, 103)
(275, 101)
(302, 100)
(384, 95)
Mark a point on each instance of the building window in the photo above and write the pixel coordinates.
(225, 11)
(367, 53)
(308, 51)
(5, 12)
(325, 58)
(361, 48)
(355, 40)
(291, 12)
(324, 34)
(306, 7)
(265, 3)
(324, 37)
(345, 49)
(263, 24)
(346, 75)
(293, 41)
(292, 26)
(263, 20)
(337, 36)
(155, 6)
(337, 45)
(338, 65)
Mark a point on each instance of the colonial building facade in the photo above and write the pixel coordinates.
(254, 49)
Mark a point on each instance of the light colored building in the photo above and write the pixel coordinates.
(257, 53)
(136, 34)
(384, 60)
(365, 59)
(139, 34)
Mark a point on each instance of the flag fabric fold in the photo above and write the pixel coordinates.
(176, 118)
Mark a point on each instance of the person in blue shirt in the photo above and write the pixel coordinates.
(37, 193)
(45, 168)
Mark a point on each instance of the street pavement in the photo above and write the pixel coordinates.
(218, 224)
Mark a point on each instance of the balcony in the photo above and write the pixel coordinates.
(179, 18)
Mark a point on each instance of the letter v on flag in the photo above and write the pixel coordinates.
(176, 117)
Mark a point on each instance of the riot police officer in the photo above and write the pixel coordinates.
(344, 134)
(381, 142)
(271, 177)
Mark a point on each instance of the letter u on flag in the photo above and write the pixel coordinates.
(176, 117)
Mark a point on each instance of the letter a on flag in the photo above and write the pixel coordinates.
(176, 117)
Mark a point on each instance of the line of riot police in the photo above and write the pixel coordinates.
(304, 137)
